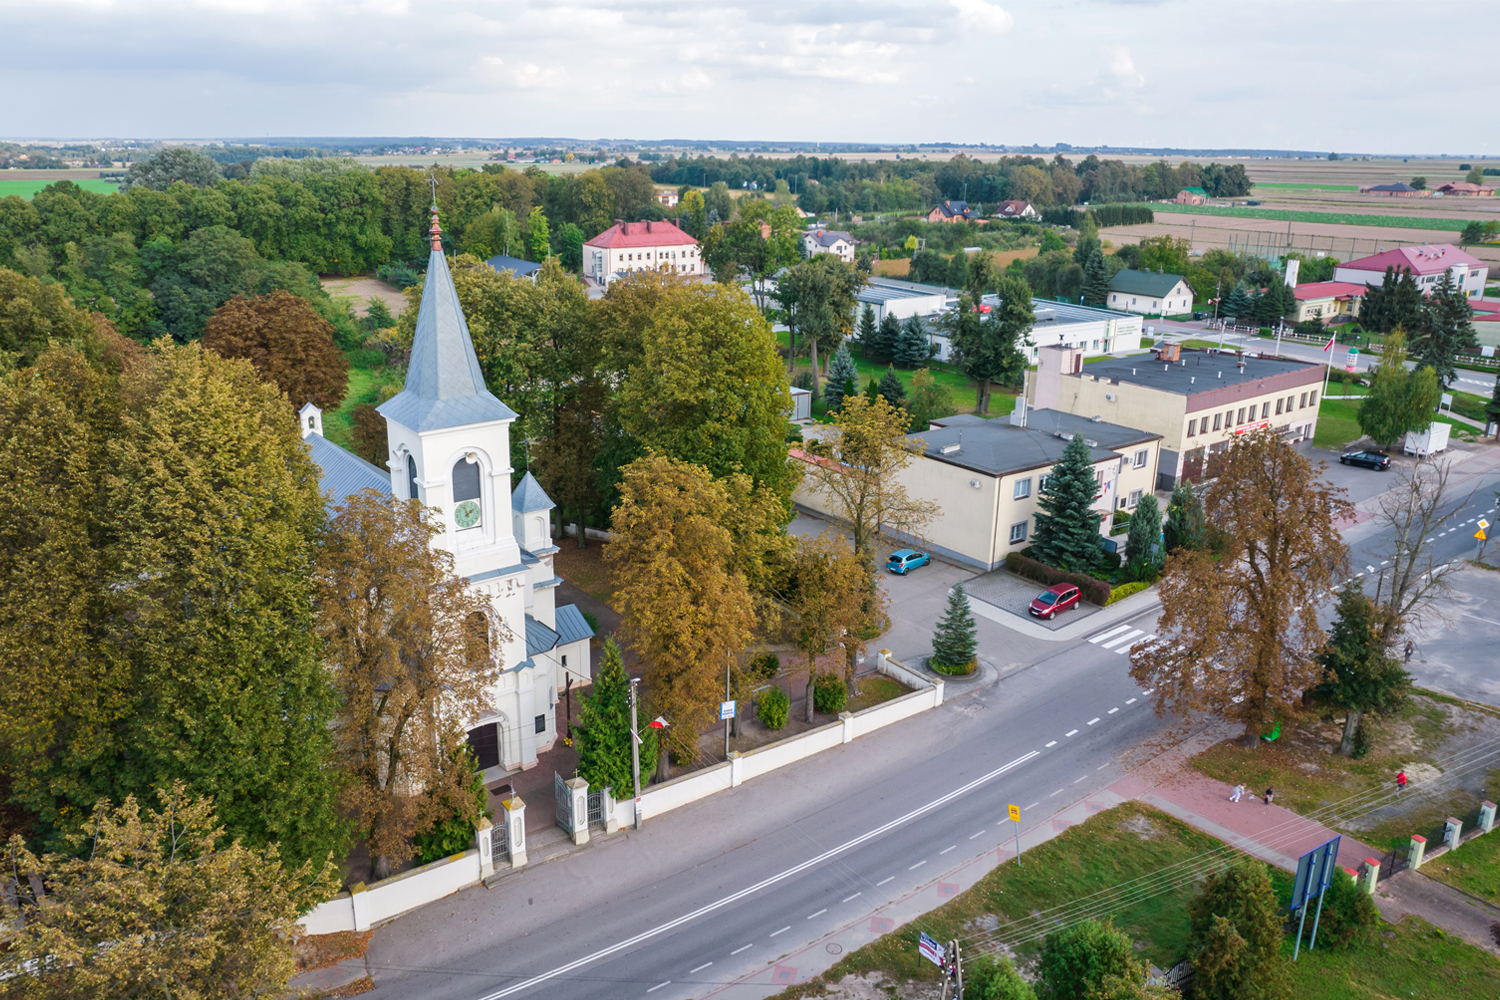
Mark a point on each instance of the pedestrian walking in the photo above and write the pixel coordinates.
(1401, 781)
(1270, 794)
(1238, 791)
(1409, 649)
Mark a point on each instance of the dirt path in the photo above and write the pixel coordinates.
(361, 290)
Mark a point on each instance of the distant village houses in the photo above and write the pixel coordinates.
(1016, 210)
(1192, 196)
(641, 246)
(840, 244)
(954, 211)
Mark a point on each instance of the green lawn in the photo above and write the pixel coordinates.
(364, 387)
(28, 189)
(1405, 960)
(1333, 218)
(1305, 187)
(1474, 867)
(960, 389)
(1338, 423)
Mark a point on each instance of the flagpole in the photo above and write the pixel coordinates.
(1329, 371)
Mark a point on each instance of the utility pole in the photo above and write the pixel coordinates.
(635, 753)
(726, 698)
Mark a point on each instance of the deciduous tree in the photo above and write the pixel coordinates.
(173, 164)
(288, 343)
(817, 299)
(1400, 400)
(1235, 937)
(411, 650)
(926, 401)
(154, 903)
(32, 313)
(827, 593)
(1239, 635)
(1079, 958)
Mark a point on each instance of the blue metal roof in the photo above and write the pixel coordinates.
(539, 638)
(343, 473)
(444, 384)
(529, 496)
(513, 265)
(571, 625)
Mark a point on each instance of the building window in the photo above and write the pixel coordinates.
(1216, 421)
(1290, 402)
(1265, 409)
(1192, 428)
(541, 724)
(565, 661)
(1242, 417)
(1279, 403)
(1018, 533)
(1135, 497)
(1303, 403)
(1041, 483)
(411, 478)
(1023, 488)
(1099, 481)
(1140, 458)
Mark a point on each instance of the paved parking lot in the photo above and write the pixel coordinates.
(1008, 592)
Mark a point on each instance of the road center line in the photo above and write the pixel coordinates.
(1071, 732)
(1058, 792)
(700, 968)
(659, 986)
(855, 896)
(1052, 744)
(1032, 806)
(742, 948)
(1085, 777)
(919, 864)
(782, 876)
(973, 835)
(782, 931)
(1093, 720)
(818, 914)
(946, 850)
(1130, 701)
(1112, 711)
(889, 878)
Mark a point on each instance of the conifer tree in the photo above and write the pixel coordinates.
(1067, 522)
(841, 373)
(603, 732)
(912, 346)
(1237, 305)
(1184, 525)
(1095, 280)
(891, 387)
(1236, 937)
(887, 335)
(956, 641)
(1143, 548)
(869, 331)
(1359, 676)
(1445, 328)
(1492, 408)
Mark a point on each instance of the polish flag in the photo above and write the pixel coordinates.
(1330, 342)
(658, 723)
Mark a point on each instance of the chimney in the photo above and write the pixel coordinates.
(648, 225)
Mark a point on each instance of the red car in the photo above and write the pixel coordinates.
(1058, 597)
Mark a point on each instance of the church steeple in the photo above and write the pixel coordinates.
(444, 385)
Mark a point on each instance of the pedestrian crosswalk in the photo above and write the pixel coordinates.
(1121, 639)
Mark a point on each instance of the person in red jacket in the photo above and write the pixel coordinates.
(1401, 781)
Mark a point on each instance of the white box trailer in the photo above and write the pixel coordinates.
(1429, 442)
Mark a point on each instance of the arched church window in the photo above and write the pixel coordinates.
(477, 638)
(466, 493)
(411, 478)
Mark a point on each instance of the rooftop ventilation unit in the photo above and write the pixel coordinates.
(949, 449)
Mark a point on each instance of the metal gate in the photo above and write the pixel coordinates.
(596, 808)
(500, 841)
(564, 802)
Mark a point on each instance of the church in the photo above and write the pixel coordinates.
(449, 441)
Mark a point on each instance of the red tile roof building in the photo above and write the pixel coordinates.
(1327, 300)
(1426, 264)
(1463, 189)
(1016, 210)
(641, 246)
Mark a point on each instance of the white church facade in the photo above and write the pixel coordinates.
(449, 441)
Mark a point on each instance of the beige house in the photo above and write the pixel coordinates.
(985, 476)
(840, 244)
(1329, 301)
(1198, 401)
(640, 246)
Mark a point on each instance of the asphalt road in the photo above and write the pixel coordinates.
(715, 890)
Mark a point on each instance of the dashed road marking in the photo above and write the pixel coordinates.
(1084, 778)
(888, 878)
(659, 986)
(1058, 792)
(946, 850)
(973, 835)
(1112, 711)
(745, 948)
(700, 968)
(1130, 701)
(818, 914)
(1071, 732)
(1033, 806)
(1093, 720)
(919, 864)
(782, 931)
(1052, 744)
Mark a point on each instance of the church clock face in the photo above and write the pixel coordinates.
(466, 514)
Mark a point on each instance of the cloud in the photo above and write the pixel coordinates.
(980, 15)
(1122, 68)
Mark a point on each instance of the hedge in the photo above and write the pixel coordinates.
(959, 671)
(771, 708)
(1094, 591)
(1124, 590)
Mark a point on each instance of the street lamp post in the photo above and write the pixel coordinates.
(635, 753)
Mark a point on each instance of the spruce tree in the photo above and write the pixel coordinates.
(869, 331)
(1235, 937)
(1143, 548)
(891, 387)
(1067, 522)
(956, 641)
(1237, 305)
(602, 735)
(1184, 525)
(872, 391)
(1492, 408)
(1360, 677)
(1445, 328)
(912, 347)
(887, 334)
(1096, 280)
(841, 373)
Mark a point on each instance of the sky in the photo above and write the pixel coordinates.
(1355, 75)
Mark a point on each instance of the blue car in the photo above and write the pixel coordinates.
(904, 560)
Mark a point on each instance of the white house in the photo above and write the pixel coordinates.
(1150, 292)
(450, 448)
(640, 246)
(840, 244)
(1426, 264)
(903, 299)
(1062, 324)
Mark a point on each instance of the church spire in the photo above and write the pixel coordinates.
(444, 384)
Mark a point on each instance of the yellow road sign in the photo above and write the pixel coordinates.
(1015, 814)
(1480, 534)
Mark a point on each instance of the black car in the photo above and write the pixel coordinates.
(1368, 459)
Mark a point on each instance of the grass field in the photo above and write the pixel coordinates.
(1305, 187)
(364, 387)
(1131, 841)
(1338, 423)
(1331, 218)
(28, 189)
(1474, 868)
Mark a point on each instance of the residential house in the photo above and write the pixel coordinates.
(514, 266)
(1426, 264)
(1016, 210)
(1463, 189)
(985, 477)
(667, 197)
(449, 440)
(1150, 292)
(840, 244)
(640, 246)
(1192, 196)
(954, 211)
(1397, 190)
(1329, 301)
(1198, 401)
(1059, 324)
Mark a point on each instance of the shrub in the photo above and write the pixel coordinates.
(771, 708)
(830, 694)
(1125, 590)
(1348, 914)
(1094, 591)
(593, 621)
(397, 275)
(765, 666)
(959, 670)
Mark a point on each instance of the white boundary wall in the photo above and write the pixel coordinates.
(388, 898)
(740, 767)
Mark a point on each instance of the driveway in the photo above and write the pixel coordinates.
(1008, 592)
